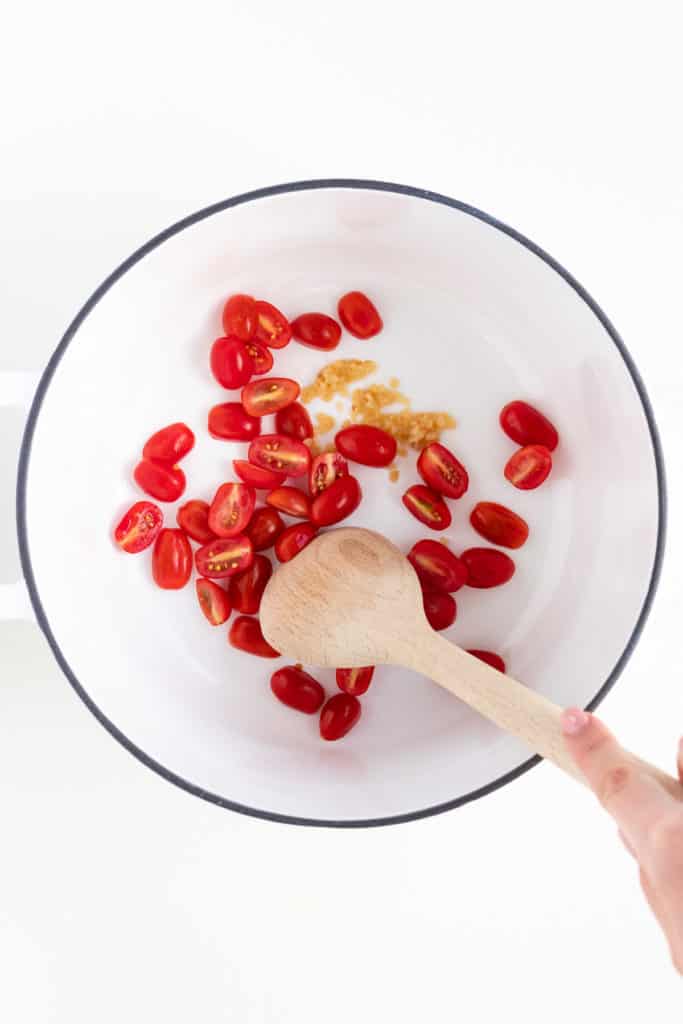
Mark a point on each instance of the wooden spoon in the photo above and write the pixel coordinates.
(351, 598)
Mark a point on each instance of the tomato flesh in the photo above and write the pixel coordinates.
(492, 659)
(294, 421)
(487, 567)
(261, 357)
(272, 327)
(440, 608)
(317, 330)
(339, 716)
(526, 425)
(139, 527)
(291, 501)
(359, 315)
(231, 364)
(161, 481)
(245, 634)
(265, 528)
(231, 509)
(293, 540)
(269, 395)
(499, 525)
(193, 518)
(246, 588)
(261, 479)
(170, 444)
(427, 506)
(280, 453)
(224, 557)
(239, 317)
(368, 445)
(355, 680)
(529, 467)
(441, 471)
(297, 689)
(229, 422)
(336, 502)
(213, 601)
(437, 567)
(325, 469)
(171, 560)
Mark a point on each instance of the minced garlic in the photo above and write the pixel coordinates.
(334, 378)
(324, 423)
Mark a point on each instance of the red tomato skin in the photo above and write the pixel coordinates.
(291, 501)
(231, 509)
(437, 567)
(246, 588)
(260, 479)
(440, 608)
(163, 482)
(526, 425)
(370, 446)
(294, 421)
(170, 444)
(492, 659)
(339, 716)
(336, 502)
(193, 518)
(293, 540)
(171, 560)
(441, 471)
(261, 357)
(297, 689)
(529, 467)
(224, 557)
(239, 317)
(272, 327)
(265, 528)
(231, 364)
(245, 634)
(427, 506)
(283, 454)
(355, 680)
(487, 567)
(316, 330)
(499, 525)
(213, 601)
(229, 422)
(325, 469)
(269, 395)
(139, 527)
(359, 315)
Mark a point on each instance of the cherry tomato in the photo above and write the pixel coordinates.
(427, 506)
(261, 356)
(440, 608)
(246, 588)
(171, 560)
(231, 509)
(224, 557)
(245, 634)
(193, 518)
(526, 425)
(437, 567)
(292, 540)
(229, 422)
(339, 716)
(494, 660)
(239, 317)
(441, 471)
(294, 421)
(265, 528)
(169, 444)
(291, 501)
(139, 527)
(261, 479)
(325, 469)
(231, 364)
(499, 524)
(529, 467)
(487, 567)
(163, 482)
(355, 680)
(336, 502)
(213, 601)
(262, 397)
(297, 689)
(359, 315)
(283, 454)
(368, 445)
(317, 331)
(272, 327)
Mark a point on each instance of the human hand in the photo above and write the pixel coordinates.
(650, 819)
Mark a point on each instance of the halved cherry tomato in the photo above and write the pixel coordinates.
(526, 425)
(355, 680)
(494, 660)
(339, 716)
(440, 609)
(224, 557)
(359, 315)
(336, 502)
(487, 567)
(292, 540)
(294, 421)
(163, 482)
(239, 317)
(427, 506)
(261, 356)
(272, 327)
(213, 601)
(231, 509)
(139, 527)
(368, 445)
(171, 560)
(499, 525)
(437, 567)
(529, 467)
(245, 634)
(283, 454)
(441, 471)
(246, 588)
(193, 518)
(261, 479)
(297, 689)
(317, 331)
(170, 444)
(231, 364)
(291, 501)
(325, 469)
(265, 528)
(262, 397)
(229, 422)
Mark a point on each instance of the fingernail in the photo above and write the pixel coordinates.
(573, 721)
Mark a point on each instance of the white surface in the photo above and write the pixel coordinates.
(114, 882)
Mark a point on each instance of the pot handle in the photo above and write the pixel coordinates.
(16, 391)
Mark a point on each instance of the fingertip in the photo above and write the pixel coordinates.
(573, 721)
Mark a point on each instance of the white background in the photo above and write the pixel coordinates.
(122, 898)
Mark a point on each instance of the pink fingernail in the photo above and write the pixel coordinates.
(573, 721)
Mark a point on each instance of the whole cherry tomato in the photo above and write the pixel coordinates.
(265, 528)
(193, 518)
(339, 716)
(441, 471)
(294, 421)
(171, 560)
(291, 501)
(169, 444)
(368, 445)
(245, 634)
(272, 327)
(292, 540)
(427, 506)
(231, 509)
(229, 422)
(499, 525)
(268, 395)
(437, 567)
(261, 479)
(359, 315)
(283, 454)
(494, 660)
(526, 425)
(317, 331)
(439, 608)
(213, 601)
(355, 680)
(139, 527)
(262, 357)
(239, 317)
(224, 557)
(161, 481)
(325, 469)
(529, 467)
(487, 567)
(336, 502)
(231, 364)
(297, 689)
(246, 588)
